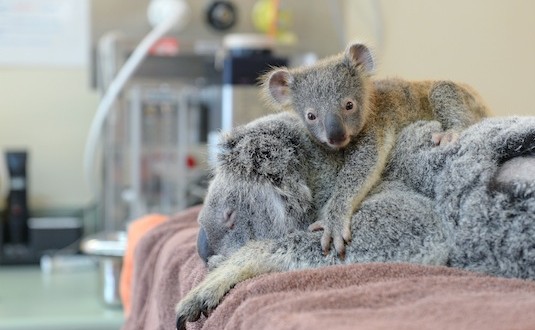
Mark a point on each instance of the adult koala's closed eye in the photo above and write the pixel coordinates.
(258, 190)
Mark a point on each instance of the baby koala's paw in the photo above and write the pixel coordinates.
(444, 138)
(335, 230)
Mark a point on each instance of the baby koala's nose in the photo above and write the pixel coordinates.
(334, 127)
(336, 140)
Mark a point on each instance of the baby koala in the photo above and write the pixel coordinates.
(353, 116)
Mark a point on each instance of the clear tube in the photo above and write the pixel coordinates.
(113, 91)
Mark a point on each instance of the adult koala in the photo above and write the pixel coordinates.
(258, 190)
(455, 206)
(270, 181)
(483, 188)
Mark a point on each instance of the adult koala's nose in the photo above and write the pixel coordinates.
(203, 248)
(335, 129)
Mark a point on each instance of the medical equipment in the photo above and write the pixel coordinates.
(165, 15)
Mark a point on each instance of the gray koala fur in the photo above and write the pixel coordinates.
(259, 184)
(271, 178)
(456, 205)
(345, 110)
(488, 208)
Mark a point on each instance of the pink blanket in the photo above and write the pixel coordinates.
(364, 296)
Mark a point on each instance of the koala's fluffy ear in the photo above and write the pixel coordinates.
(227, 141)
(258, 153)
(277, 84)
(361, 56)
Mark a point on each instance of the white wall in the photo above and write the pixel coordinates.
(489, 44)
(48, 112)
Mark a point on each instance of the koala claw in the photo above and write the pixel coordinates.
(187, 314)
(332, 232)
(181, 323)
(190, 310)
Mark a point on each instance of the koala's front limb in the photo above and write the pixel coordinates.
(253, 259)
(364, 163)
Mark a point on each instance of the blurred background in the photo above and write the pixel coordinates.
(59, 57)
(47, 109)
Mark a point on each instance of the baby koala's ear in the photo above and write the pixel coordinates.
(361, 56)
(277, 84)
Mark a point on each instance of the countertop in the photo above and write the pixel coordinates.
(31, 299)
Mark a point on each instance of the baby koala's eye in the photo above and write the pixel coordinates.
(349, 105)
(311, 116)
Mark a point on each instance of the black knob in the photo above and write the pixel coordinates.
(221, 15)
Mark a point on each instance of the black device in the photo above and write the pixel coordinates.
(247, 59)
(24, 240)
(244, 66)
(16, 215)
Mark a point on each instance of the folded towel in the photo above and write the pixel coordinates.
(136, 230)
(361, 296)
(377, 296)
(166, 266)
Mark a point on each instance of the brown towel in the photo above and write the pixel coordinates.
(377, 296)
(365, 296)
(136, 230)
(166, 266)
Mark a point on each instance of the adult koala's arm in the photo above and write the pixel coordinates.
(253, 259)
(395, 224)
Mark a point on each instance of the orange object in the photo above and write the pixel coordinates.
(273, 27)
(136, 230)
